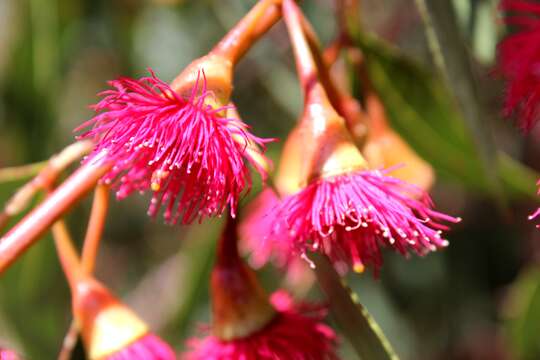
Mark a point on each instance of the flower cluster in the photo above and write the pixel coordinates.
(184, 150)
(348, 216)
(519, 63)
(338, 192)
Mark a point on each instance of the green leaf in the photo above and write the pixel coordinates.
(452, 57)
(362, 331)
(422, 110)
(523, 314)
(518, 180)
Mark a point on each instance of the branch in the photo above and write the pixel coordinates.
(49, 172)
(35, 223)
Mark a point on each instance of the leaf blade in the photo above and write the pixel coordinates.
(360, 328)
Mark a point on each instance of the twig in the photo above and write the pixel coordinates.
(21, 172)
(70, 340)
(92, 240)
(90, 249)
(35, 223)
(249, 29)
(67, 254)
(95, 227)
(72, 268)
(344, 103)
(48, 173)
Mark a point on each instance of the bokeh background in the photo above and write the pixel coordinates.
(478, 299)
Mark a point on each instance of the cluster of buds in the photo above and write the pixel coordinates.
(519, 64)
(347, 185)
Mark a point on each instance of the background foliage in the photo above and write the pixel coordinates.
(479, 299)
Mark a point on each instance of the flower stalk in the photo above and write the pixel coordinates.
(95, 227)
(109, 329)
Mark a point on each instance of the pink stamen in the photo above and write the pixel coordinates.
(180, 148)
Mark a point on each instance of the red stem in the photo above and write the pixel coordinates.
(334, 95)
(249, 29)
(305, 63)
(66, 253)
(95, 228)
(35, 223)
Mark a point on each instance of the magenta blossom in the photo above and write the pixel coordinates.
(537, 212)
(190, 154)
(254, 228)
(8, 355)
(519, 61)
(254, 240)
(149, 347)
(350, 216)
(296, 332)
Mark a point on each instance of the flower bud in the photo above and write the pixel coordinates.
(386, 149)
(320, 144)
(240, 306)
(247, 324)
(110, 330)
(218, 74)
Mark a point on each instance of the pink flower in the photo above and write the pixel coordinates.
(8, 355)
(253, 230)
(350, 216)
(295, 333)
(189, 153)
(255, 227)
(149, 347)
(537, 212)
(519, 61)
